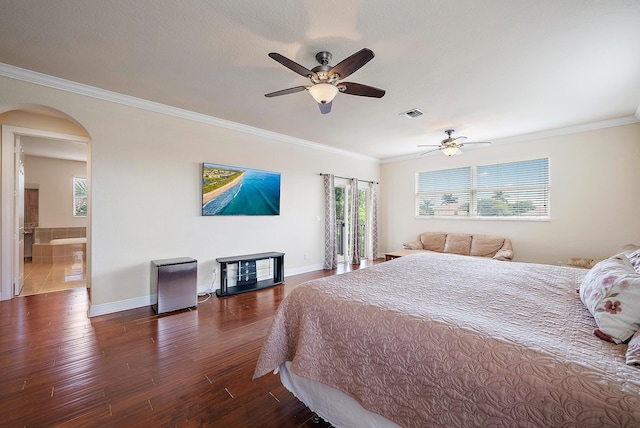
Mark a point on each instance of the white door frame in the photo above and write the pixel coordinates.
(348, 194)
(7, 232)
(18, 216)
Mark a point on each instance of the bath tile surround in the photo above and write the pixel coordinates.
(44, 235)
(50, 253)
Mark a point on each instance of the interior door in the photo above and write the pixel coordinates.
(18, 271)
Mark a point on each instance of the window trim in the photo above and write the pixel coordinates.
(473, 200)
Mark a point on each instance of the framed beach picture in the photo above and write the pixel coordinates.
(230, 190)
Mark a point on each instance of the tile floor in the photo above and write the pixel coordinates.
(44, 278)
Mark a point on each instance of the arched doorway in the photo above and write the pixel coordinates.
(46, 130)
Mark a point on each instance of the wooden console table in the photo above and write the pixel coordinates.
(247, 275)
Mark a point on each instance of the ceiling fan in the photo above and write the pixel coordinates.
(324, 78)
(450, 146)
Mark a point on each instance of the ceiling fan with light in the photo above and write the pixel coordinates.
(450, 146)
(325, 78)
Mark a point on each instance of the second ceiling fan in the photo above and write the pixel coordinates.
(325, 78)
(450, 146)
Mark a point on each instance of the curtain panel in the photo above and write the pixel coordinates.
(354, 226)
(373, 221)
(330, 247)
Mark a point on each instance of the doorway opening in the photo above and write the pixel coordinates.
(343, 194)
(44, 234)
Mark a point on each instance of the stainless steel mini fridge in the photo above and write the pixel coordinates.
(174, 282)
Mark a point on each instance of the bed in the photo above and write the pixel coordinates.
(447, 340)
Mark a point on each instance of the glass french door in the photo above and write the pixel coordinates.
(343, 220)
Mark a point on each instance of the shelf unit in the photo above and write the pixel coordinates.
(247, 273)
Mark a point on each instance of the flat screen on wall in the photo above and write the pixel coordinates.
(229, 190)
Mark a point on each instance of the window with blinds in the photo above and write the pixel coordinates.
(444, 193)
(506, 190)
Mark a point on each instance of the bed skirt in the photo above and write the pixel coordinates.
(330, 404)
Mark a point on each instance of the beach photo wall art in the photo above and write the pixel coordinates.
(230, 190)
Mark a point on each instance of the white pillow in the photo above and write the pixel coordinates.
(634, 258)
(611, 292)
(633, 350)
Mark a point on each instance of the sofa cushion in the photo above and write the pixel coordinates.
(485, 245)
(497, 247)
(433, 241)
(458, 243)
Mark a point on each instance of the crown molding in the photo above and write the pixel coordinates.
(545, 134)
(41, 79)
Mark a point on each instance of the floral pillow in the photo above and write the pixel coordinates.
(611, 292)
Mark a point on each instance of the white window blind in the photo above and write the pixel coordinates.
(443, 193)
(516, 189)
(507, 190)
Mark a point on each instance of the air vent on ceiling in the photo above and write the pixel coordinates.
(412, 113)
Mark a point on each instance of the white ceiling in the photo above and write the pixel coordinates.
(53, 148)
(490, 69)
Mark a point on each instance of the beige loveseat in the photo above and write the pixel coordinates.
(495, 247)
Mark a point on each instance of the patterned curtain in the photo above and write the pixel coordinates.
(354, 227)
(373, 221)
(330, 248)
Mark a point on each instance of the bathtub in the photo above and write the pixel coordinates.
(63, 241)
(63, 250)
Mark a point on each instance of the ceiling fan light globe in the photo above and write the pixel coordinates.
(323, 93)
(450, 151)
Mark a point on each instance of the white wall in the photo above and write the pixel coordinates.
(145, 173)
(594, 197)
(145, 193)
(54, 178)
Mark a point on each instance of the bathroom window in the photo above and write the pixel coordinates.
(79, 197)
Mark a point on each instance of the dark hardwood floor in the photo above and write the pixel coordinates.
(134, 368)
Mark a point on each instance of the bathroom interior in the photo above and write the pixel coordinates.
(55, 219)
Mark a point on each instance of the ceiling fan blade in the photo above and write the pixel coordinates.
(286, 91)
(292, 65)
(351, 64)
(460, 138)
(325, 108)
(430, 151)
(361, 90)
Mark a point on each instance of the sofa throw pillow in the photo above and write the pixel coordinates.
(611, 292)
(485, 245)
(458, 243)
(433, 241)
(412, 245)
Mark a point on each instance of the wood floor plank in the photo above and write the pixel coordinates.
(135, 368)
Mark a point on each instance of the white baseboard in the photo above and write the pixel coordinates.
(122, 305)
(303, 269)
(138, 302)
